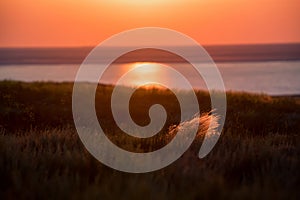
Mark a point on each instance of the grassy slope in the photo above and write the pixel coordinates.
(42, 156)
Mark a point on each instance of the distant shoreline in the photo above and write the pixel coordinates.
(226, 53)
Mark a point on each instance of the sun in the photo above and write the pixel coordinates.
(145, 3)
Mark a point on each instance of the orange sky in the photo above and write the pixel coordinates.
(88, 22)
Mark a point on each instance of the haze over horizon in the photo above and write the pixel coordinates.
(66, 23)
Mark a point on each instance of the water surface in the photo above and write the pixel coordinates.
(271, 77)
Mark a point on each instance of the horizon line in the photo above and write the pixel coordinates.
(204, 45)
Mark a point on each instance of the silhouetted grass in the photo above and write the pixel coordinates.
(42, 156)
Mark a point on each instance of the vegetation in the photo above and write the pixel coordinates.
(42, 156)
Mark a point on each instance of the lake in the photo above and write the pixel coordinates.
(270, 77)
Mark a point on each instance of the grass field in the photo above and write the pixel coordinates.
(42, 157)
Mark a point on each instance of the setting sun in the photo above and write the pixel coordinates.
(144, 2)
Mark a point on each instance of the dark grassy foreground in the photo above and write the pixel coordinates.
(42, 157)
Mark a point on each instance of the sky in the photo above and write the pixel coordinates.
(48, 23)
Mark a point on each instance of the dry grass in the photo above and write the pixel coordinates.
(257, 156)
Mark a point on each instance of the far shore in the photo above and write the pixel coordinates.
(219, 53)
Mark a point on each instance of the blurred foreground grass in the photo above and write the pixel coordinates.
(42, 157)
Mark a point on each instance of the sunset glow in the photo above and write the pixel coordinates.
(149, 99)
(143, 72)
(88, 22)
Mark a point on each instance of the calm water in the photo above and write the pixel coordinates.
(272, 77)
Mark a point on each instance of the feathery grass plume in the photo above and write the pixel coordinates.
(207, 124)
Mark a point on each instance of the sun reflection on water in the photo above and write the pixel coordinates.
(146, 74)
